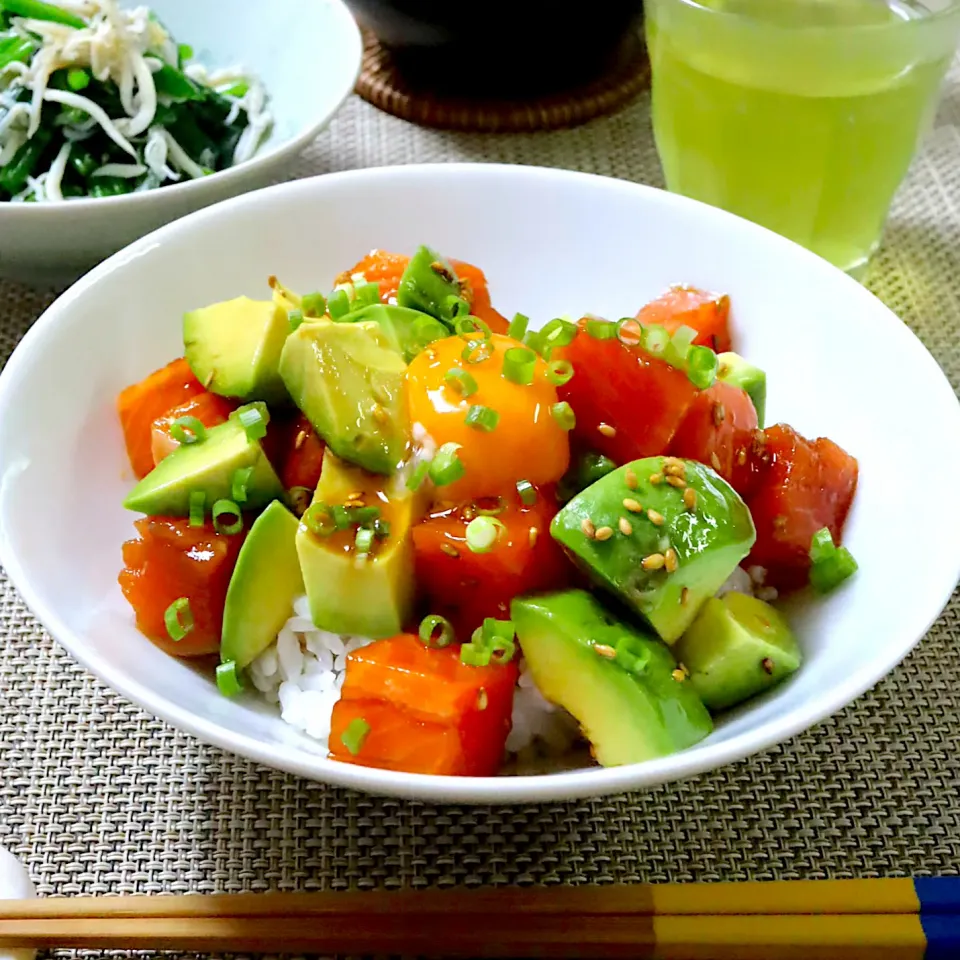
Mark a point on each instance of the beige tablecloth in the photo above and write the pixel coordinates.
(98, 797)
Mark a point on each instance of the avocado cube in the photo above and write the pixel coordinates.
(349, 382)
(733, 369)
(662, 534)
(737, 647)
(208, 467)
(370, 597)
(408, 331)
(622, 685)
(234, 348)
(263, 586)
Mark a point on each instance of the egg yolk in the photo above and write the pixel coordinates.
(527, 442)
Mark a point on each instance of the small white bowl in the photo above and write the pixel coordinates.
(839, 364)
(307, 54)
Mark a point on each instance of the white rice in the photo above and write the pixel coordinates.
(302, 674)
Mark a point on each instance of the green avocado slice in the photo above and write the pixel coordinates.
(209, 468)
(264, 584)
(737, 647)
(622, 685)
(663, 549)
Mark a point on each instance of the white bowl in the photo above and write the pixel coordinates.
(306, 52)
(839, 364)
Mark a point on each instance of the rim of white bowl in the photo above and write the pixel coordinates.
(286, 148)
(573, 785)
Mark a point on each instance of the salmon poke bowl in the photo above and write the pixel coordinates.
(467, 498)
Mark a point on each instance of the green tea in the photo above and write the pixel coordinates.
(801, 115)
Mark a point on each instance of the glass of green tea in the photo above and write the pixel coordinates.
(801, 115)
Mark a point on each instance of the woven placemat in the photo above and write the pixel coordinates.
(98, 797)
(383, 85)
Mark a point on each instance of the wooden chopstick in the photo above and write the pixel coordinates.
(538, 935)
(803, 919)
(874, 896)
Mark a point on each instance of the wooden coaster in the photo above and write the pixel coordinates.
(381, 84)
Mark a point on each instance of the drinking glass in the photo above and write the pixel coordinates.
(801, 115)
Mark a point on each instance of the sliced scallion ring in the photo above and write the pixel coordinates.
(527, 492)
(601, 329)
(228, 679)
(476, 351)
(198, 503)
(559, 372)
(355, 735)
(482, 418)
(318, 518)
(238, 486)
(187, 430)
(630, 332)
(446, 467)
(461, 381)
(518, 326)
(483, 533)
(253, 421)
(436, 631)
(227, 508)
(178, 619)
(702, 366)
(519, 364)
(453, 309)
(419, 474)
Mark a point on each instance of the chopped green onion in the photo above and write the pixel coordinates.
(178, 619)
(381, 529)
(527, 491)
(558, 333)
(227, 508)
(679, 346)
(482, 418)
(559, 372)
(419, 474)
(187, 430)
(825, 575)
(518, 326)
(429, 635)
(453, 309)
(563, 413)
(238, 488)
(315, 304)
(363, 541)
(366, 294)
(468, 327)
(476, 351)
(655, 339)
(362, 515)
(475, 655)
(298, 499)
(355, 735)
(253, 422)
(461, 381)
(630, 331)
(338, 304)
(822, 545)
(228, 679)
(294, 318)
(198, 502)
(78, 79)
(831, 565)
(341, 517)
(184, 52)
(502, 650)
(492, 627)
(601, 329)
(483, 533)
(446, 467)
(519, 364)
(318, 518)
(702, 365)
(631, 661)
